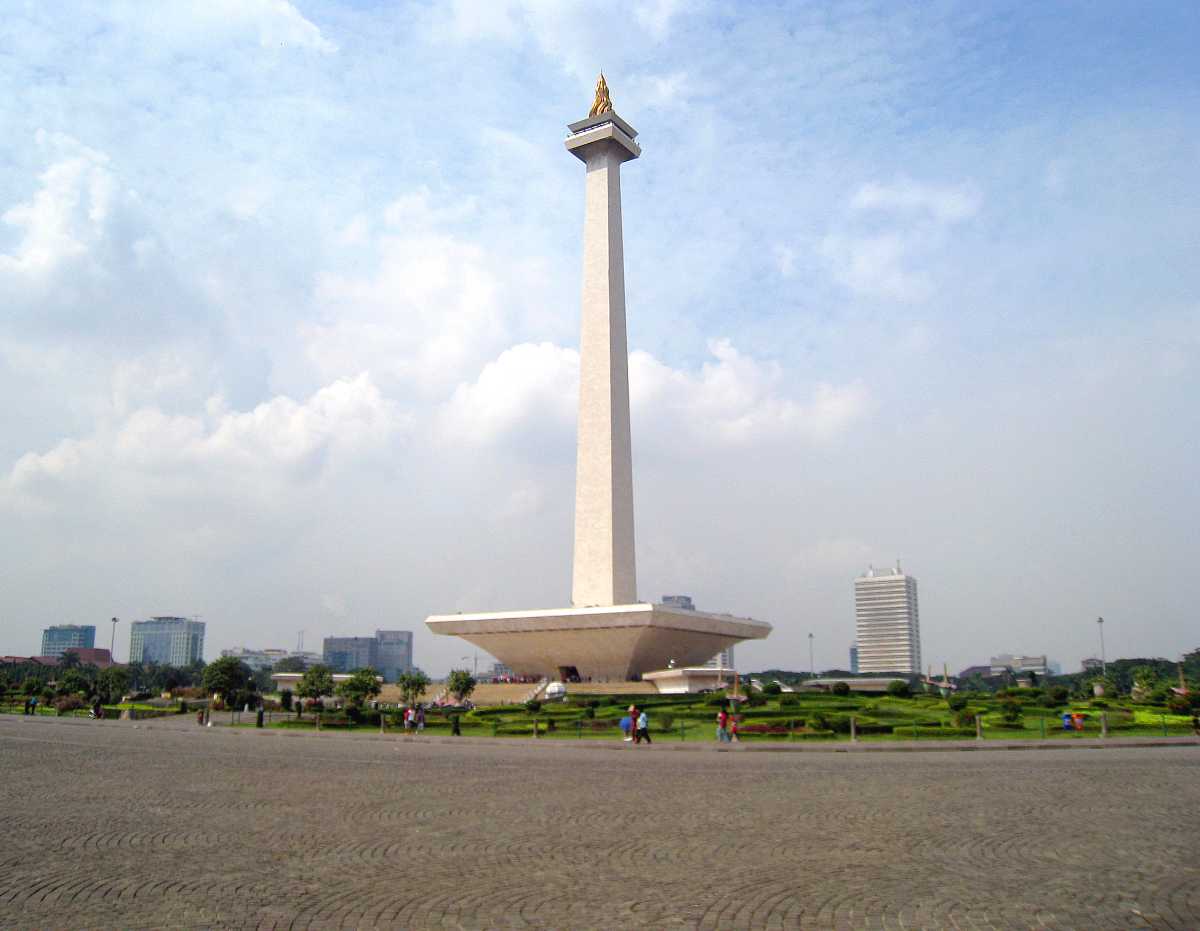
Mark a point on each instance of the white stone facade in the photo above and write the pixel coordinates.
(887, 619)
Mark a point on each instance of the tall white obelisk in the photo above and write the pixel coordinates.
(604, 569)
(606, 634)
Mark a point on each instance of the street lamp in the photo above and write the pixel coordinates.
(812, 667)
(1103, 662)
(112, 643)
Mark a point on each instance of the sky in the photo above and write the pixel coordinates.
(289, 315)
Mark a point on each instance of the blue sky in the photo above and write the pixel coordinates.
(289, 309)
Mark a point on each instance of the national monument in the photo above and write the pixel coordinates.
(607, 634)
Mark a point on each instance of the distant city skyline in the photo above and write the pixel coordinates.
(904, 280)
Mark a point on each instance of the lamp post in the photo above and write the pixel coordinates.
(812, 666)
(1103, 659)
(112, 643)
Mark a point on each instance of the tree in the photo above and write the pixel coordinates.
(316, 682)
(289, 664)
(69, 660)
(461, 684)
(362, 685)
(72, 682)
(841, 688)
(772, 688)
(898, 688)
(412, 685)
(112, 683)
(262, 680)
(226, 677)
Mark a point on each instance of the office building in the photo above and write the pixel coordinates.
(395, 653)
(854, 657)
(170, 641)
(683, 602)
(345, 654)
(389, 652)
(58, 638)
(887, 621)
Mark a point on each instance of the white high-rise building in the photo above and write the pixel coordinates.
(887, 621)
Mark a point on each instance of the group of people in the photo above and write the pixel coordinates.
(635, 725)
(414, 719)
(726, 727)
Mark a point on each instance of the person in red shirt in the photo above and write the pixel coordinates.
(722, 720)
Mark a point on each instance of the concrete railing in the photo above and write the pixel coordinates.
(541, 686)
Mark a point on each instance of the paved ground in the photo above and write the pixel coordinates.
(165, 824)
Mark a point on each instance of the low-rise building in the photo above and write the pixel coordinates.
(1019, 665)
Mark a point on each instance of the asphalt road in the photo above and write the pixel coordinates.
(165, 824)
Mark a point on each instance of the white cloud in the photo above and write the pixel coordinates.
(572, 32)
(67, 215)
(947, 203)
(890, 238)
(280, 441)
(274, 23)
(429, 312)
(527, 383)
(738, 400)
(656, 15)
(640, 92)
(733, 400)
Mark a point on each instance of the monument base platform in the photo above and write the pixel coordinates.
(606, 644)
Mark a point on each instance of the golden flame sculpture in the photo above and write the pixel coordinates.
(603, 102)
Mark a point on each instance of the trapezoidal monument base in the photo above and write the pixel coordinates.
(605, 644)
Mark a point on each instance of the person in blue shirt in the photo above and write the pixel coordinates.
(643, 729)
(626, 725)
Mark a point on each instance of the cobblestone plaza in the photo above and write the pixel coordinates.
(162, 824)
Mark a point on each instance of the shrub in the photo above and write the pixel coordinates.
(1010, 712)
(1058, 694)
(68, 703)
(956, 702)
(789, 700)
(841, 688)
(1179, 704)
(666, 721)
(964, 717)
(285, 698)
(899, 689)
(533, 706)
(772, 688)
(820, 722)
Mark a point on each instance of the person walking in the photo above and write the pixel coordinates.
(626, 728)
(733, 728)
(722, 720)
(420, 718)
(643, 728)
(633, 717)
